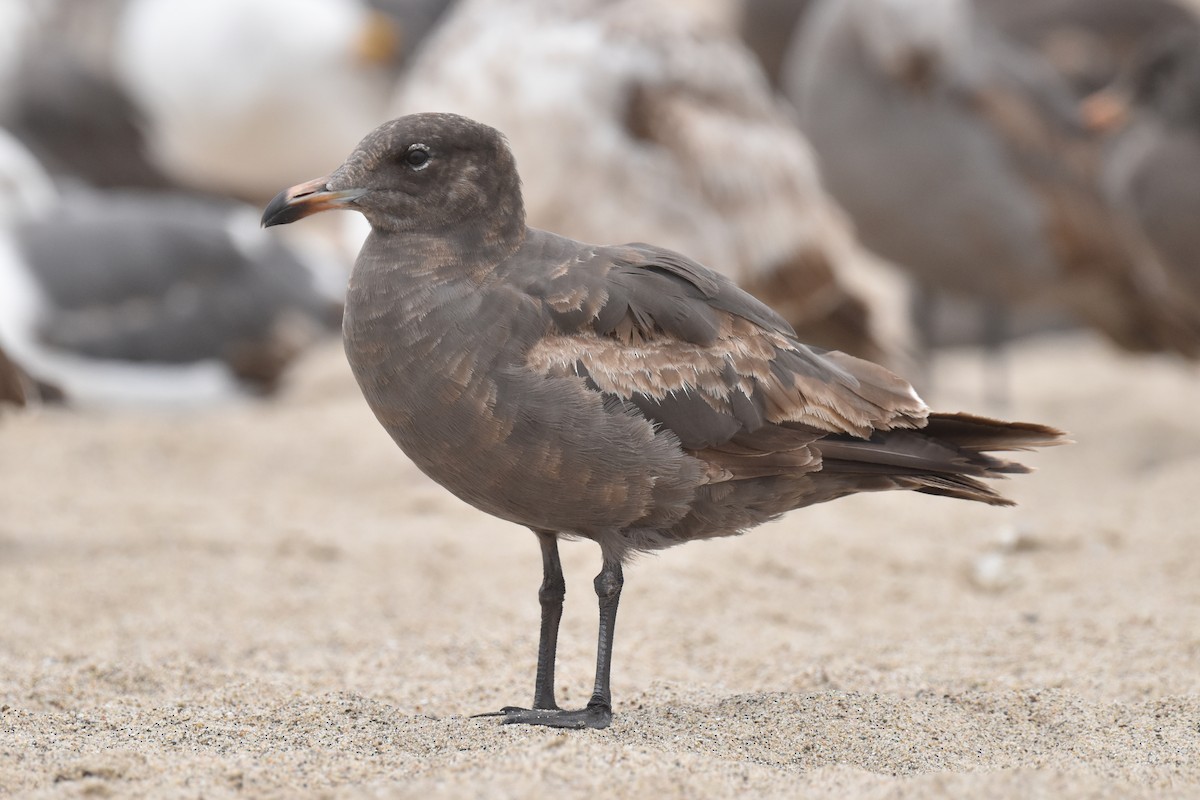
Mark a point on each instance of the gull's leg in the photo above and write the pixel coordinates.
(598, 712)
(550, 595)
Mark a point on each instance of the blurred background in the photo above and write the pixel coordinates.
(894, 176)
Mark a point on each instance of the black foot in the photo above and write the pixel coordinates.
(594, 716)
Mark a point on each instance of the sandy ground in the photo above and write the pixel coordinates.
(269, 600)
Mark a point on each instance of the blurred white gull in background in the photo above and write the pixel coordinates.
(241, 96)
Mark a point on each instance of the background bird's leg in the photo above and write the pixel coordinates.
(995, 342)
(551, 594)
(608, 591)
(923, 307)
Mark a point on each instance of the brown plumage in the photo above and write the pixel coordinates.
(625, 394)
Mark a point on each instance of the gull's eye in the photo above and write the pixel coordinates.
(417, 156)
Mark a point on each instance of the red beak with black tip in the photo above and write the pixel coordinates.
(306, 199)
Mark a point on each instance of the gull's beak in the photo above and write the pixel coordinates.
(304, 199)
(1105, 110)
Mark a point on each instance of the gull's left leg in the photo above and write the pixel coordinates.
(550, 596)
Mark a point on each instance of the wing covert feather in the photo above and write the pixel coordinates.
(708, 361)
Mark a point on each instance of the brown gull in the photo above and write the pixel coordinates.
(623, 394)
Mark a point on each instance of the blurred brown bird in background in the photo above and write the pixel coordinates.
(1152, 166)
(960, 157)
(625, 394)
(1088, 42)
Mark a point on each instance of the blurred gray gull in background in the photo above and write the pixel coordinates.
(1153, 165)
(623, 394)
(634, 122)
(961, 159)
(78, 121)
(139, 297)
(60, 97)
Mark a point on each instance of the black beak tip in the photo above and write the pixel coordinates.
(279, 211)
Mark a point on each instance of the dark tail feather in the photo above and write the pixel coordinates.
(981, 433)
(948, 456)
(960, 487)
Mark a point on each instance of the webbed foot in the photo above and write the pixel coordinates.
(595, 716)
